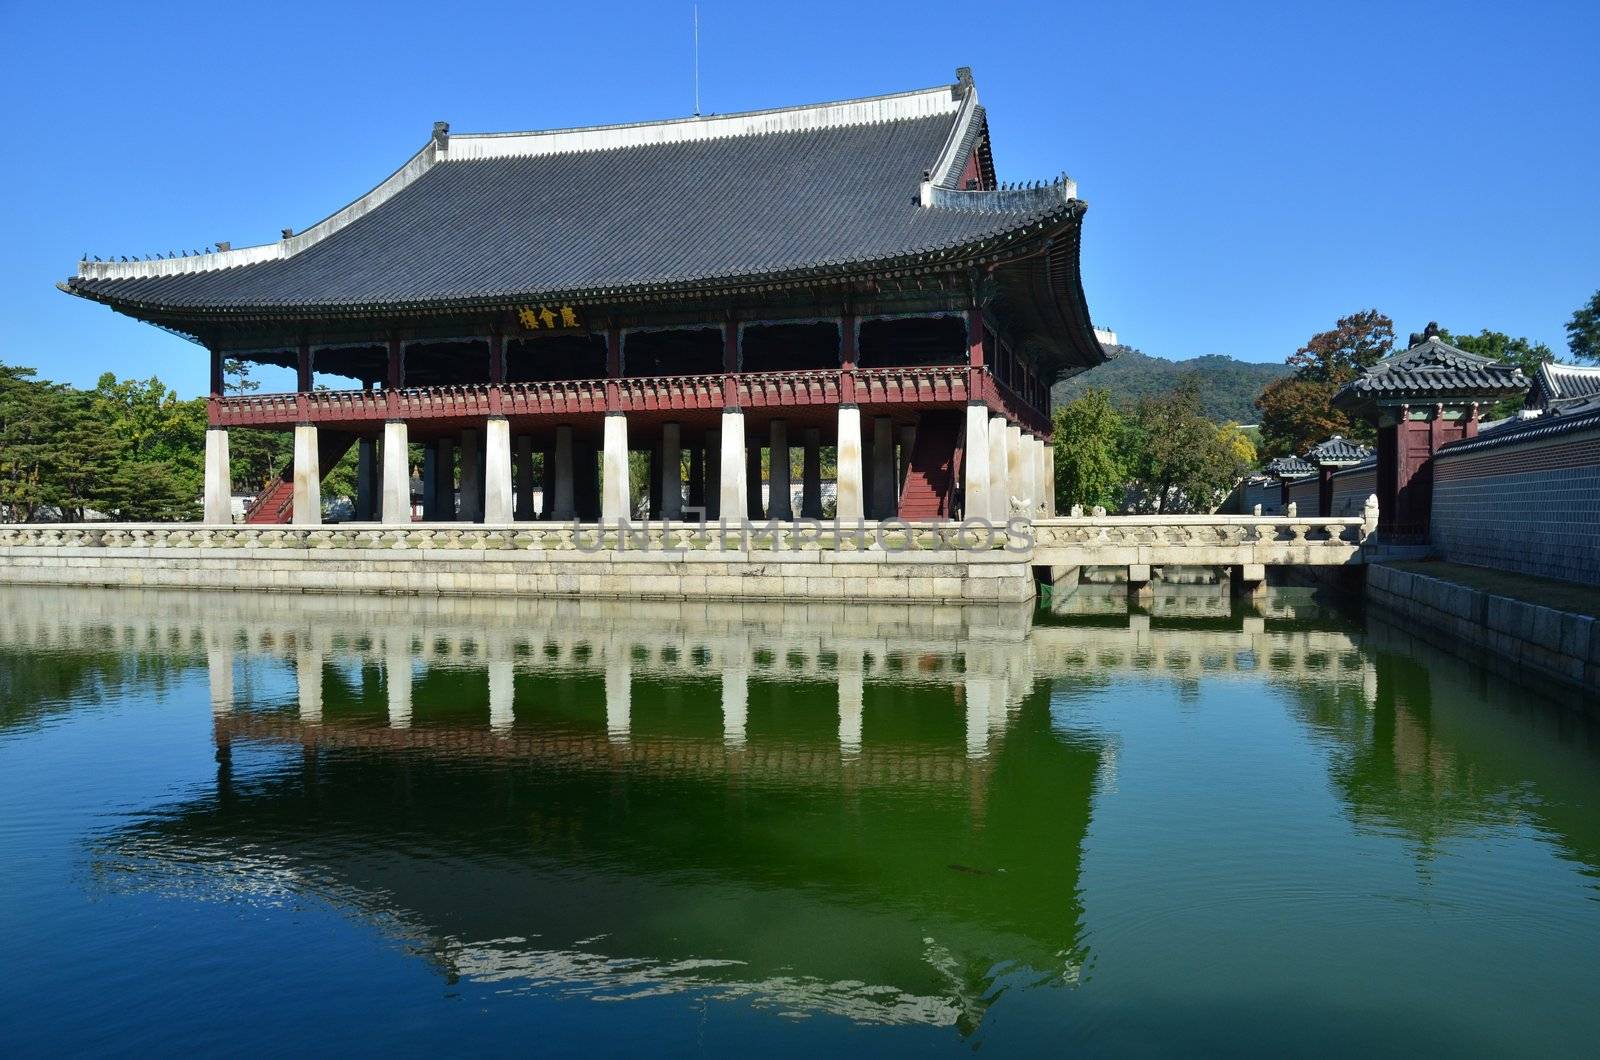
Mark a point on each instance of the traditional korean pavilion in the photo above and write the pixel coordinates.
(844, 275)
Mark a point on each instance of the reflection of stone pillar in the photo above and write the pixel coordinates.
(851, 503)
(397, 676)
(883, 480)
(619, 693)
(779, 504)
(497, 471)
(731, 466)
(219, 667)
(999, 484)
(979, 709)
(811, 475)
(975, 464)
(219, 483)
(850, 705)
(308, 680)
(501, 686)
(471, 475)
(735, 698)
(671, 472)
(524, 462)
(396, 474)
(307, 476)
(564, 507)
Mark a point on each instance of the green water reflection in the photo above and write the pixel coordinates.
(882, 816)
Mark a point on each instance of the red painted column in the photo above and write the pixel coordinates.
(394, 379)
(730, 364)
(847, 359)
(975, 370)
(303, 374)
(613, 369)
(214, 397)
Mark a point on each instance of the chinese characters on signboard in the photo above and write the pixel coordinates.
(546, 318)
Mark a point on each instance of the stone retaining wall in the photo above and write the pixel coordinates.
(1555, 644)
(943, 575)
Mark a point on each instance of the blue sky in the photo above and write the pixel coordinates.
(1253, 171)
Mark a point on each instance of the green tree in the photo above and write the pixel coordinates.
(1181, 461)
(1091, 467)
(1298, 411)
(1583, 331)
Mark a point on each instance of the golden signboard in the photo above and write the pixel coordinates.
(547, 318)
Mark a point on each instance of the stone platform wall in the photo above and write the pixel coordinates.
(485, 562)
(1528, 501)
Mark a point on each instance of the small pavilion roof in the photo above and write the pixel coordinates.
(634, 212)
(1555, 384)
(1336, 450)
(1431, 370)
(1289, 467)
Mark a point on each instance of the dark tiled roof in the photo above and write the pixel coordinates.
(1336, 450)
(622, 211)
(1289, 467)
(1431, 370)
(1565, 418)
(1560, 383)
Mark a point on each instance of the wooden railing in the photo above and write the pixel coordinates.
(909, 385)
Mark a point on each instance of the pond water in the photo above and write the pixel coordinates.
(249, 824)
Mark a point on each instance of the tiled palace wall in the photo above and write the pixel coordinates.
(1529, 503)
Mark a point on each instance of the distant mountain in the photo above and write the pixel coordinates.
(1228, 387)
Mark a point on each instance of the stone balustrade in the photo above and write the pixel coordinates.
(1200, 540)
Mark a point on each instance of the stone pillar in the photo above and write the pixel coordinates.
(1016, 465)
(308, 680)
(502, 714)
(885, 502)
(547, 484)
(397, 675)
(619, 693)
(713, 486)
(447, 480)
(754, 505)
(999, 483)
(219, 483)
(811, 474)
(471, 475)
(731, 481)
(653, 485)
(614, 503)
(1042, 483)
(1049, 479)
(307, 477)
(975, 464)
(396, 473)
(366, 467)
(779, 504)
(851, 503)
(671, 471)
(563, 506)
(497, 471)
(524, 461)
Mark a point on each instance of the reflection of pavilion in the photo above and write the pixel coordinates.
(872, 819)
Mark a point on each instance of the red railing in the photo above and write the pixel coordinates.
(916, 384)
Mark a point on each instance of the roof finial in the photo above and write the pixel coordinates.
(964, 78)
(441, 135)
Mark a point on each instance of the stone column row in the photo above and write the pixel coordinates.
(1004, 470)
